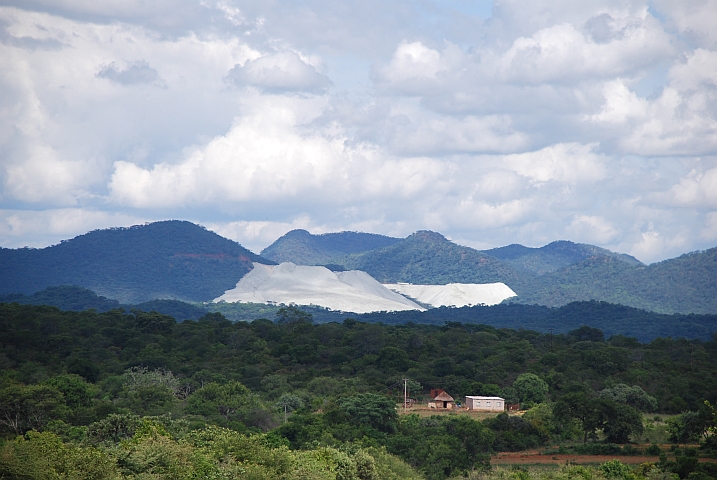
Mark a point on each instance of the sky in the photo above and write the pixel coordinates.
(512, 121)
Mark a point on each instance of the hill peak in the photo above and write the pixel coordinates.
(303, 248)
(171, 259)
(298, 233)
(428, 236)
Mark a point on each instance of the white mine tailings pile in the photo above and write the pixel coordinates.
(455, 294)
(353, 291)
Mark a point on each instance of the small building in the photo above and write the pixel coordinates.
(485, 404)
(442, 400)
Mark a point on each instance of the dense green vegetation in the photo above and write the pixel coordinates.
(64, 297)
(554, 256)
(687, 284)
(611, 319)
(170, 260)
(70, 297)
(302, 248)
(138, 395)
(428, 258)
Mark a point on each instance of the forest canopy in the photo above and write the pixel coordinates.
(104, 390)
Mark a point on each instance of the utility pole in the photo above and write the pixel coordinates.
(405, 392)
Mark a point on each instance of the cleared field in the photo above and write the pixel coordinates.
(423, 411)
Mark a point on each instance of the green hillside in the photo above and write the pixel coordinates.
(302, 248)
(554, 256)
(554, 275)
(687, 284)
(165, 260)
(600, 278)
(429, 258)
(64, 297)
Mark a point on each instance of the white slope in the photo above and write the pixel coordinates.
(354, 291)
(455, 294)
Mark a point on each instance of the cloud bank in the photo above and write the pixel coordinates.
(546, 120)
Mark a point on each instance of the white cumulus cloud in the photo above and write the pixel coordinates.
(594, 122)
(280, 72)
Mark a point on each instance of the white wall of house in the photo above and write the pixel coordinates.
(486, 404)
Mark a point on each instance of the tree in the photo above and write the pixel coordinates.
(76, 391)
(113, 428)
(475, 437)
(153, 322)
(150, 392)
(620, 422)
(231, 401)
(370, 409)
(24, 408)
(44, 456)
(530, 388)
(691, 426)
(586, 334)
(616, 469)
(578, 406)
(393, 359)
(288, 403)
(291, 315)
(78, 395)
(634, 396)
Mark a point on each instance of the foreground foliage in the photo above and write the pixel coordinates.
(139, 395)
(210, 453)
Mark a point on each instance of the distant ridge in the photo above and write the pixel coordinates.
(429, 258)
(302, 248)
(610, 318)
(554, 275)
(163, 260)
(554, 256)
(73, 298)
(176, 260)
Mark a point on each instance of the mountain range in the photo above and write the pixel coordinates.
(554, 275)
(177, 260)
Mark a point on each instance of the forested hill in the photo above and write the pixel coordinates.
(554, 275)
(554, 256)
(429, 258)
(73, 298)
(166, 260)
(687, 284)
(303, 248)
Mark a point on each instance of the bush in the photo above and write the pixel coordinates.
(653, 449)
(598, 449)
